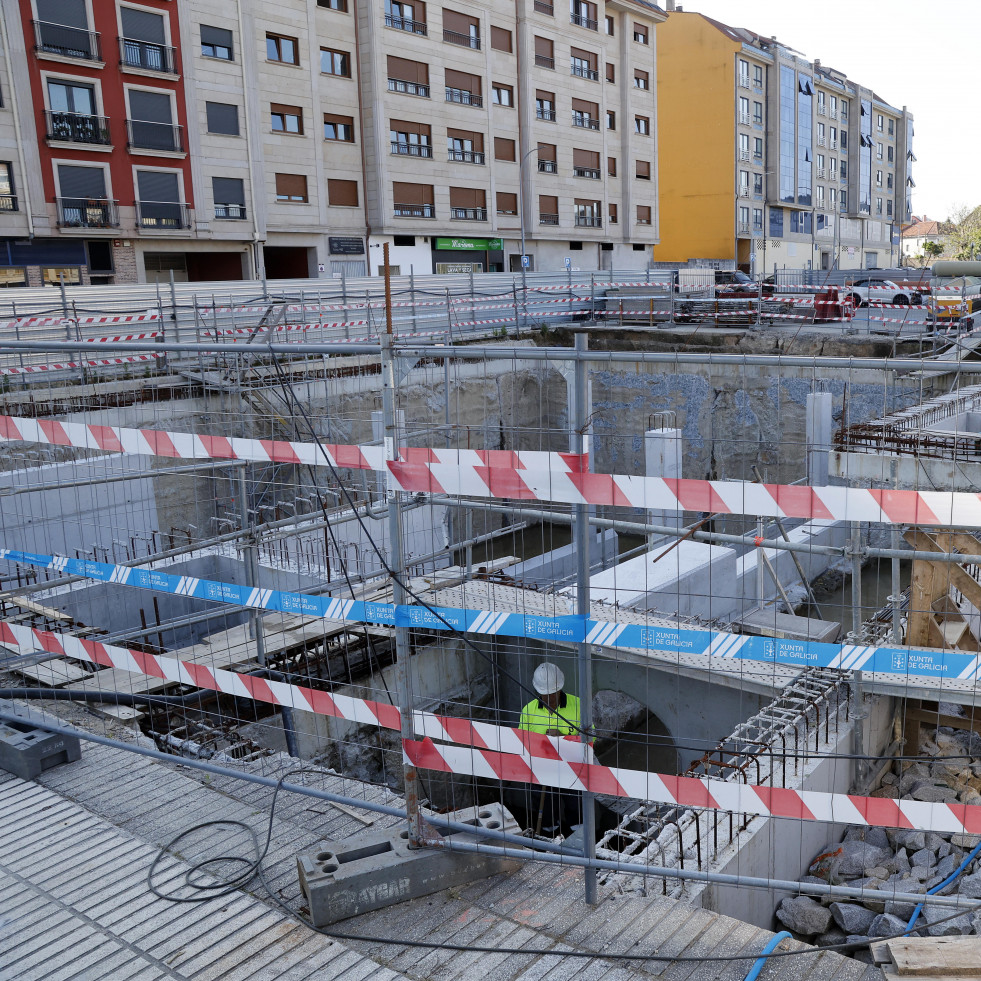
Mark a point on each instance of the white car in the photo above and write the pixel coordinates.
(883, 291)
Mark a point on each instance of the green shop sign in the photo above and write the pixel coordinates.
(470, 244)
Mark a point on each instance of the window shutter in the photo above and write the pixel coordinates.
(222, 118)
(548, 205)
(141, 25)
(503, 148)
(507, 202)
(546, 151)
(217, 36)
(413, 193)
(149, 107)
(81, 182)
(71, 13)
(343, 193)
(500, 39)
(156, 185)
(228, 190)
(291, 185)
(544, 46)
(408, 71)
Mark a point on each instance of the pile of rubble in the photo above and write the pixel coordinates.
(881, 862)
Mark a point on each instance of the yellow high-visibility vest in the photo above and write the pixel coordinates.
(536, 716)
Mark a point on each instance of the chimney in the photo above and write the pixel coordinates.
(669, 6)
(817, 64)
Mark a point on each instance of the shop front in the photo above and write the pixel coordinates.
(464, 255)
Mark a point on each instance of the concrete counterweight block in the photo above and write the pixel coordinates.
(370, 871)
(26, 751)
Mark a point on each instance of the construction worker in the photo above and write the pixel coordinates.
(554, 713)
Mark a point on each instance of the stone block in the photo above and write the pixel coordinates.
(804, 915)
(27, 752)
(341, 879)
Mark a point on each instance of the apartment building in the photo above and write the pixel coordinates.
(795, 165)
(225, 139)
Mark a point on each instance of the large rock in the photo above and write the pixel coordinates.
(901, 861)
(871, 836)
(933, 794)
(857, 856)
(924, 858)
(851, 918)
(912, 841)
(831, 938)
(969, 886)
(803, 915)
(958, 926)
(887, 925)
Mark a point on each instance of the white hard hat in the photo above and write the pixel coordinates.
(548, 678)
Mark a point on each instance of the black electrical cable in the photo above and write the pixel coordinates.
(252, 869)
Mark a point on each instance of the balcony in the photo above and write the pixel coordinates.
(66, 42)
(542, 7)
(147, 56)
(744, 119)
(643, 221)
(548, 219)
(744, 154)
(8, 202)
(743, 228)
(584, 71)
(73, 127)
(833, 114)
(744, 191)
(546, 114)
(580, 21)
(464, 97)
(415, 211)
(87, 213)
(230, 212)
(822, 110)
(548, 167)
(821, 141)
(161, 137)
(543, 61)
(584, 121)
(744, 81)
(466, 156)
(588, 172)
(163, 216)
(406, 24)
(408, 88)
(820, 174)
(833, 145)
(412, 149)
(468, 214)
(589, 221)
(463, 40)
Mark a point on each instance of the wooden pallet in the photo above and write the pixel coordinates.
(930, 958)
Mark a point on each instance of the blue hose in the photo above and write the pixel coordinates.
(760, 962)
(940, 885)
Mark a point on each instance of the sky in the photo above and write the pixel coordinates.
(921, 55)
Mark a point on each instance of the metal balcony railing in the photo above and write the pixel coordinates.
(643, 221)
(163, 137)
(74, 127)
(463, 40)
(468, 214)
(542, 7)
(66, 42)
(163, 216)
(584, 71)
(464, 97)
(408, 88)
(582, 21)
(546, 114)
(548, 219)
(466, 156)
(147, 55)
(548, 167)
(744, 228)
(589, 221)
(406, 24)
(87, 213)
(744, 81)
(543, 61)
(589, 172)
(8, 202)
(744, 118)
(232, 212)
(412, 149)
(586, 122)
(822, 110)
(744, 154)
(415, 211)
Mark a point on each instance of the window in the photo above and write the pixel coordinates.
(282, 48)
(583, 13)
(611, 166)
(546, 158)
(758, 76)
(502, 95)
(800, 222)
(544, 52)
(222, 118)
(844, 110)
(878, 206)
(339, 129)
(611, 72)
(216, 42)
(585, 114)
(643, 170)
(843, 170)
(82, 201)
(500, 39)
(583, 64)
(71, 116)
(758, 113)
(586, 163)
(588, 213)
(890, 156)
(404, 16)
(410, 138)
(878, 178)
(291, 187)
(878, 151)
(743, 219)
(609, 25)
(832, 196)
(335, 62)
(614, 214)
(642, 80)
(545, 105)
(504, 149)
(889, 209)
(834, 107)
(743, 72)
(776, 222)
(62, 29)
(757, 219)
(643, 214)
(507, 203)
(150, 122)
(408, 77)
(821, 104)
(548, 210)
(340, 5)
(229, 197)
(892, 127)
(611, 119)
(889, 181)
(342, 194)
(820, 164)
(640, 33)
(844, 139)
(159, 205)
(468, 204)
(413, 200)
(8, 202)
(461, 29)
(465, 146)
(642, 125)
(144, 41)
(463, 88)
(879, 122)
(819, 190)
(822, 135)
(843, 199)
(744, 182)
(286, 119)
(757, 183)
(743, 146)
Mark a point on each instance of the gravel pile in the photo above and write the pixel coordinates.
(883, 861)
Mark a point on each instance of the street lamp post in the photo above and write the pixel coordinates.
(521, 221)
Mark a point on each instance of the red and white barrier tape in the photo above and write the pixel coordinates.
(32, 369)
(26, 322)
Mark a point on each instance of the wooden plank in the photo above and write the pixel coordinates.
(932, 957)
(55, 674)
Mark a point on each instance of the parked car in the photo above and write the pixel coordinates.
(883, 291)
(736, 285)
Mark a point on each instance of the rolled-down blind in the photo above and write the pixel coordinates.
(643, 168)
(81, 182)
(155, 185)
(461, 23)
(222, 118)
(585, 158)
(548, 205)
(463, 80)
(228, 190)
(141, 25)
(544, 96)
(503, 148)
(71, 13)
(407, 126)
(507, 202)
(546, 151)
(291, 185)
(344, 193)
(412, 193)
(217, 36)
(544, 46)
(408, 71)
(590, 108)
(467, 197)
(150, 107)
(476, 139)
